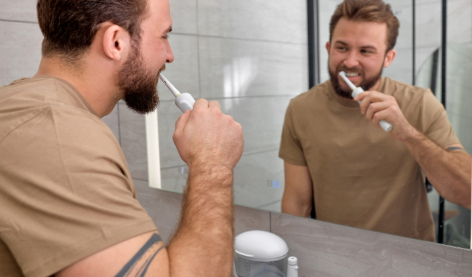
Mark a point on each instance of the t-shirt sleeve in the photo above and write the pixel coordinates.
(291, 149)
(65, 191)
(435, 121)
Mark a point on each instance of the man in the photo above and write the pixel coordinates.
(336, 154)
(68, 206)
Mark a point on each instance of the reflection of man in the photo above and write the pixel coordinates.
(336, 153)
(68, 206)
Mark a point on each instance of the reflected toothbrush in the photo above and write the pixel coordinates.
(184, 100)
(358, 90)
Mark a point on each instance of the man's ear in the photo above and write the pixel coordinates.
(116, 42)
(328, 45)
(389, 57)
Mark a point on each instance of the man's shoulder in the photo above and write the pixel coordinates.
(391, 86)
(313, 95)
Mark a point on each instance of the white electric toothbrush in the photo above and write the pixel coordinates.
(358, 90)
(184, 100)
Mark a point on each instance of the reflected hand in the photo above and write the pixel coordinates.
(377, 106)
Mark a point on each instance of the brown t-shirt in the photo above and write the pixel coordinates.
(362, 176)
(65, 188)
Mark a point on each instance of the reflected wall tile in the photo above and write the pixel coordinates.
(236, 68)
(21, 10)
(112, 120)
(429, 20)
(255, 19)
(325, 249)
(259, 179)
(20, 50)
(261, 119)
(184, 16)
(175, 178)
(133, 141)
(183, 72)
(168, 115)
(401, 69)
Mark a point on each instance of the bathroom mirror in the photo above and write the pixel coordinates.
(253, 58)
(253, 68)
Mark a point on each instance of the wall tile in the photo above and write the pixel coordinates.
(162, 206)
(183, 72)
(235, 68)
(325, 249)
(184, 16)
(112, 120)
(21, 10)
(20, 50)
(133, 141)
(256, 19)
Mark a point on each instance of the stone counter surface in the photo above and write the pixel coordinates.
(326, 249)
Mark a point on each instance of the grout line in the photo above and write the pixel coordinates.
(241, 39)
(244, 97)
(18, 21)
(244, 154)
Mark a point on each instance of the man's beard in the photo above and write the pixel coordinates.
(138, 84)
(366, 84)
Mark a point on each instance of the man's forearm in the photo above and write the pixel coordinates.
(448, 171)
(203, 242)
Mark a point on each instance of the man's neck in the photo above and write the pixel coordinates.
(97, 89)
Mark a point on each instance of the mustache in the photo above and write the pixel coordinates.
(347, 69)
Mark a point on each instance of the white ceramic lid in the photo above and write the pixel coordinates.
(260, 246)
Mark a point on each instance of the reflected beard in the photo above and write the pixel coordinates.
(366, 84)
(138, 84)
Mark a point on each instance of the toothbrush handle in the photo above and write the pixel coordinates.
(184, 101)
(384, 124)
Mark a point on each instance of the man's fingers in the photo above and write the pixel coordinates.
(182, 121)
(200, 103)
(214, 104)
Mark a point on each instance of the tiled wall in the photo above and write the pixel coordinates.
(325, 249)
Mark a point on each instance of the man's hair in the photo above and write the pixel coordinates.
(69, 26)
(367, 11)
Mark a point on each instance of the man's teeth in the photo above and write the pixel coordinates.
(352, 74)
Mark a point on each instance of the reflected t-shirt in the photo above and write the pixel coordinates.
(362, 176)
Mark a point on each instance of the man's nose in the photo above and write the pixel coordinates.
(351, 60)
(170, 55)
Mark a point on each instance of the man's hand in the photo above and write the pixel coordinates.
(448, 171)
(377, 106)
(206, 136)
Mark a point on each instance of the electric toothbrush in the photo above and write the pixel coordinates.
(358, 90)
(184, 100)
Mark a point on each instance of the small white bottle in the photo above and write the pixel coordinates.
(292, 268)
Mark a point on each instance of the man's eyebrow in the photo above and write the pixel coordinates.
(169, 29)
(363, 47)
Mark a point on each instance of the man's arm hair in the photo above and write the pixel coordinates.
(448, 169)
